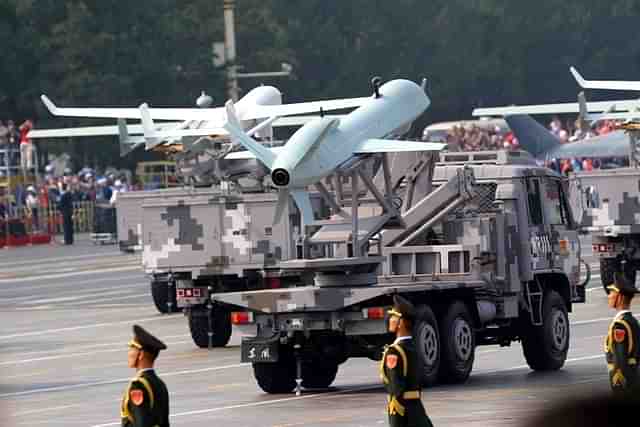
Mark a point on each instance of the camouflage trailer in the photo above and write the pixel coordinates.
(129, 216)
(199, 241)
(608, 207)
(489, 255)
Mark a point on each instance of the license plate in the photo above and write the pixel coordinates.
(254, 352)
(191, 296)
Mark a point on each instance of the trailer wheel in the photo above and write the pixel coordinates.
(458, 344)
(276, 377)
(319, 374)
(199, 327)
(545, 347)
(427, 339)
(160, 295)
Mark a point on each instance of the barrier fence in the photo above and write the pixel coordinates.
(23, 225)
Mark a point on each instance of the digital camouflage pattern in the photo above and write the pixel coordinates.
(208, 233)
(610, 200)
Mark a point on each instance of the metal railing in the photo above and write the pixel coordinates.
(49, 218)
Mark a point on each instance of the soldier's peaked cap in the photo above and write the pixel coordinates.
(143, 340)
(402, 307)
(623, 285)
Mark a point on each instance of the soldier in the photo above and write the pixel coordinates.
(65, 205)
(145, 402)
(399, 370)
(621, 343)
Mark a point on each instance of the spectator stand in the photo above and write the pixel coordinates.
(11, 172)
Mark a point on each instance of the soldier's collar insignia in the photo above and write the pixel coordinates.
(619, 334)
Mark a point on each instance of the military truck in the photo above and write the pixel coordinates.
(489, 253)
(609, 211)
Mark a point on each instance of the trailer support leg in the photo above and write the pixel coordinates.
(209, 325)
(171, 292)
(298, 357)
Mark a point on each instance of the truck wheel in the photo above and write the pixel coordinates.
(458, 344)
(607, 268)
(318, 374)
(160, 295)
(427, 341)
(199, 327)
(277, 377)
(545, 347)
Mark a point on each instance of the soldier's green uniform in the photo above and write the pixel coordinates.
(399, 372)
(145, 402)
(621, 345)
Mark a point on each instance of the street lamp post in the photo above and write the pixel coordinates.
(230, 55)
(230, 49)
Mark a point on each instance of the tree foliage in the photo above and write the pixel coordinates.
(473, 52)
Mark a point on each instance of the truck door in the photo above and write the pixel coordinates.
(539, 233)
(563, 230)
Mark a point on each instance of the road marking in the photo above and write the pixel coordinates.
(93, 301)
(68, 355)
(37, 411)
(82, 293)
(76, 328)
(116, 381)
(325, 394)
(80, 297)
(515, 368)
(588, 321)
(68, 257)
(262, 403)
(72, 283)
(78, 273)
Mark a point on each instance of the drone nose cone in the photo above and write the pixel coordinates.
(280, 177)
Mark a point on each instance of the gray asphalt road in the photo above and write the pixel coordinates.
(66, 316)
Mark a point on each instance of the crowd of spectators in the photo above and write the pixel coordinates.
(475, 138)
(16, 149)
(571, 131)
(83, 186)
(468, 136)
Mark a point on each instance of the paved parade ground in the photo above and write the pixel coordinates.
(66, 316)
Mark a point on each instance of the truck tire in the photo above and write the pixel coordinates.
(545, 347)
(427, 339)
(199, 327)
(160, 295)
(319, 374)
(607, 268)
(277, 377)
(458, 343)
